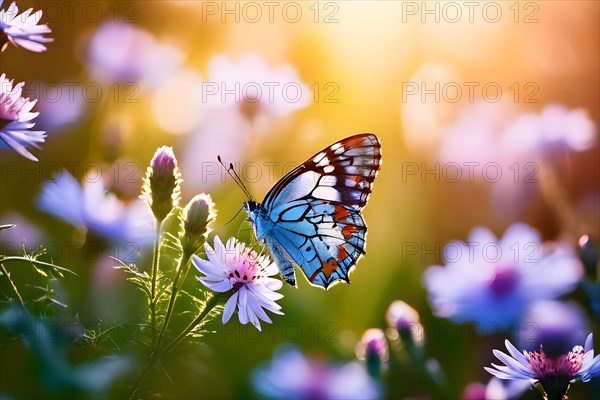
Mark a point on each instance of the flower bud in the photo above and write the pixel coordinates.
(405, 320)
(588, 253)
(198, 216)
(373, 350)
(474, 391)
(161, 188)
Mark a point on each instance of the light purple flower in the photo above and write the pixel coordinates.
(498, 389)
(491, 142)
(556, 128)
(15, 119)
(123, 53)
(494, 132)
(89, 206)
(490, 281)
(61, 105)
(556, 325)
(553, 373)
(474, 136)
(22, 30)
(236, 268)
(223, 132)
(291, 375)
(258, 90)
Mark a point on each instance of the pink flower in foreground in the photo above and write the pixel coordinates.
(236, 268)
(554, 374)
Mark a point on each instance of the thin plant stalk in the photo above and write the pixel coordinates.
(155, 258)
(14, 287)
(183, 265)
(210, 304)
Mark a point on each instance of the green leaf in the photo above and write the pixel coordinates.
(39, 271)
(171, 250)
(173, 223)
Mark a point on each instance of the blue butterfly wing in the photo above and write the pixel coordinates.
(312, 216)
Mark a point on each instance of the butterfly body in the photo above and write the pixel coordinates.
(312, 216)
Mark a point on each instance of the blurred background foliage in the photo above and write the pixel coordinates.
(357, 67)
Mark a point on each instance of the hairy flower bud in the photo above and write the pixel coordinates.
(405, 320)
(198, 216)
(373, 350)
(162, 183)
(588, 253)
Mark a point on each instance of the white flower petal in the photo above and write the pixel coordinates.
(220, 286)
(243, 306)
(230, 307)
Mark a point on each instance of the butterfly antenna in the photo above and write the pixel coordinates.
(236, 178)
(235, 216)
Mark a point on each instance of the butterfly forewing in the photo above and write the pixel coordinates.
(313, 213)
(349, 167)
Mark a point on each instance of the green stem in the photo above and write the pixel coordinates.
(210, 304)
(31, 260)
(155, 258)
(185, 274)
(12, 284)
(558, 200)
(434, 381)
(183, 265)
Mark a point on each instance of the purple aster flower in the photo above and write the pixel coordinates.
(120, 52)
(373, 350)
(556, 325)
(61, 106)
(237, 269)
(22, 30)
(556, 128)
(89, 206)
(258, 90)
(490, 281)
(474, 136)
(553, 374)
(222, 132)
(15, 119)
(493, 143)
(291, 375)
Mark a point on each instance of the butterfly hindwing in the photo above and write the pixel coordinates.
(312, 218)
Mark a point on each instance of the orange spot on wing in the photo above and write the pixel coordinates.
(313, 276)
(348, 230)
(340, 212)
(329, 267)
(342, 253)
(354, 142)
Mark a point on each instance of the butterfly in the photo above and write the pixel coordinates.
(312, 216)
